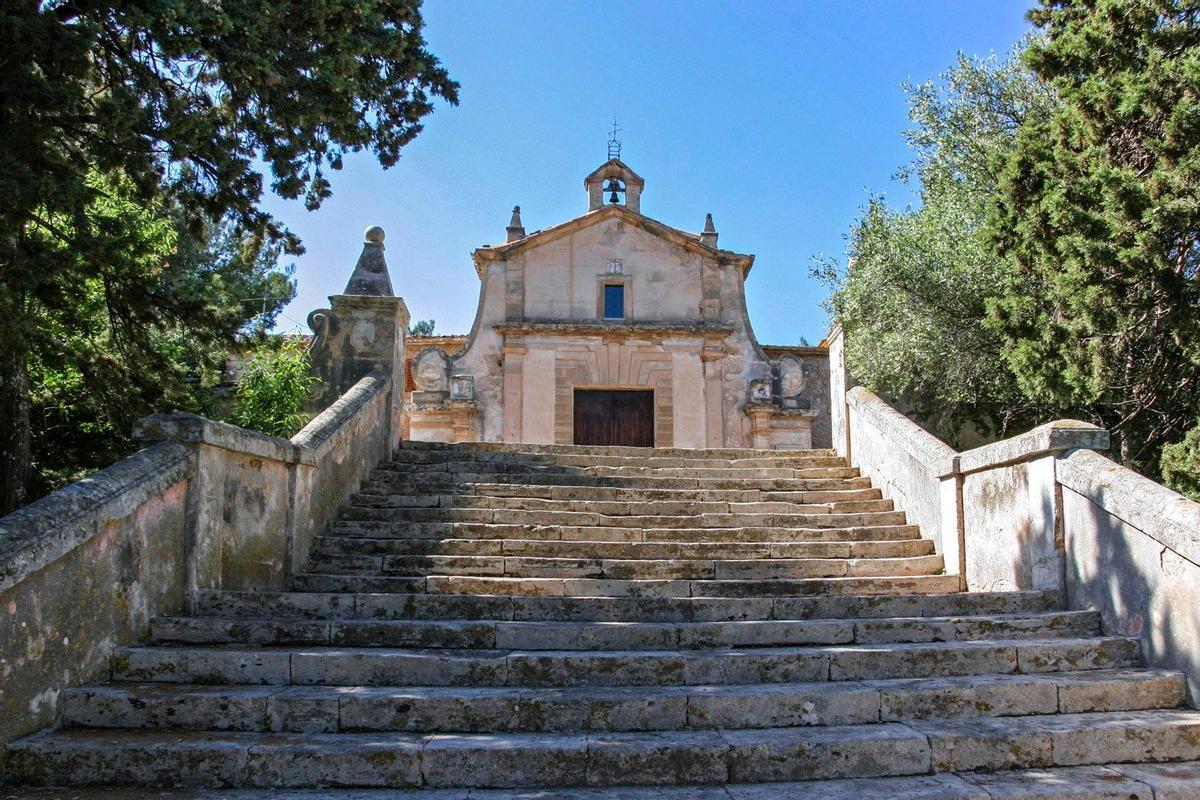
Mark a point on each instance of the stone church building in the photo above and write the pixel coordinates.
(615, 328)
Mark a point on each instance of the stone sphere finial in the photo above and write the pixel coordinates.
(373, 235)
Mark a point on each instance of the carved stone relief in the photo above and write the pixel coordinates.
(431, 370)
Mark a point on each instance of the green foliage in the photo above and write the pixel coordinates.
(913, 298)
(422, 327)
(1181, 464)
(274, 385)
(181, 101)
(148, 330)
(1098, 219)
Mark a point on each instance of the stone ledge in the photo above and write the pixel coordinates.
(43, 531)
(602, 328)
(1164, 515)
(194, 429)
(1053, 437)
(773, 410)
(937, 456)
(306, 447)
(317, 436)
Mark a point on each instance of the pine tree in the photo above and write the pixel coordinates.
(1098, 219)
(182, 99)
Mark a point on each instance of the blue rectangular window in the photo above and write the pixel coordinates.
(614, 302)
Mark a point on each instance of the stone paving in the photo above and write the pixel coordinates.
(489, 621)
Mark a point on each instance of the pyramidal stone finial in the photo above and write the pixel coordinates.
(709, 235)
(515, 229)
(370, 276)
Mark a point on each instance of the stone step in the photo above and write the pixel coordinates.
(791, 459)
(1162, 781)
(823, 518)
(523, 635)
(602, 450)
(330, 606)
(379, 666)
(82, 756)
(383, 529)
(840, 503)
(620, 587)
(496, 483)
(553, 548)
(331, 709)
(624, 569)
(853, 489)
(473, 472)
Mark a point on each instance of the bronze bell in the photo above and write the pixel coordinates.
(613, 186)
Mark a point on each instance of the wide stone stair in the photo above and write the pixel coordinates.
(531, 621)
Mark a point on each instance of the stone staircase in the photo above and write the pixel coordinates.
(701, 624)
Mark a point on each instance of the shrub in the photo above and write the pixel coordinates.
(1181, 464)
(274, 386)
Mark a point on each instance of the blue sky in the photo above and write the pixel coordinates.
(776, 117)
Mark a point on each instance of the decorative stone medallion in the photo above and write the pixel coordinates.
(793, 377)
(431, 370)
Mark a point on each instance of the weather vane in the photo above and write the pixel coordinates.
(614, 144)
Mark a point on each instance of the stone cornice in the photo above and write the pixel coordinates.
(754, 408)
(680, 238)
(593, 328)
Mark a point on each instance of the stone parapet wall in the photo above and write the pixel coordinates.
(906, 462)
(1133, 554)
(1042, 511)
(207, 505)
(83, 570)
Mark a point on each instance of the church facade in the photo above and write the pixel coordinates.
(615, 328)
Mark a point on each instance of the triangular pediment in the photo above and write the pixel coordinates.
(688, 241)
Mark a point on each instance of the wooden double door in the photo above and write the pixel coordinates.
(614, 416)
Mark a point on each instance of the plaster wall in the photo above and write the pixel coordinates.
(341, 446)
(687, 389)
(537, 396)
(839, 384)
(562, 277)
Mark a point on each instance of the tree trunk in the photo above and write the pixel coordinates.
(15, 453)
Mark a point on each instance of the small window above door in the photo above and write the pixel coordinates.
(614, 301)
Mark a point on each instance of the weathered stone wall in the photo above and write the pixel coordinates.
(209, 505)
(817, 368)
(85, 569)
(1133, 553)
(341, 445)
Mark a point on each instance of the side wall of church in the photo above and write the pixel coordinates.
(482, 358)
